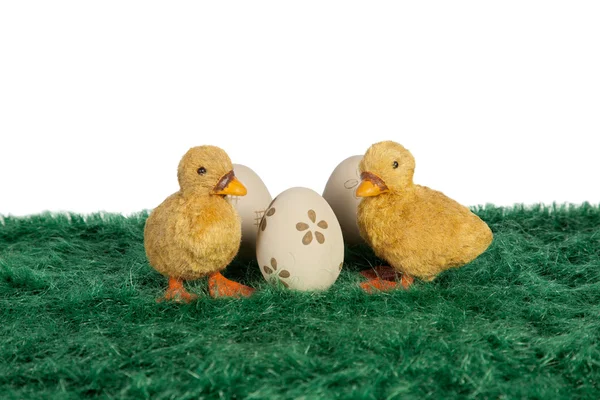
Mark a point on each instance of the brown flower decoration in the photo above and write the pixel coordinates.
(269, 213)
(351, 183)
(308, 236)
(274, 274)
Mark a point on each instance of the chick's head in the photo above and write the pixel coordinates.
(207, 170)
(386, 167)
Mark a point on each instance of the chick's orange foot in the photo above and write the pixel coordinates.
(406, 281)
(382, 272)
(219, 286)
(377, 284)
(384, 279)
(176, 292)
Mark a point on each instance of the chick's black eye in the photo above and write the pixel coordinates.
(201, 171)
(395, 164)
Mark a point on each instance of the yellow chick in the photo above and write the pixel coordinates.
(195, 232)
(419, 231)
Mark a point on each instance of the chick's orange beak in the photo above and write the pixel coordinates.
(229, 184)
(371, 185)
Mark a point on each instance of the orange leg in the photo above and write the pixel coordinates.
(177, 292)
(378, 284)
(381, 272)
(406, 281)
(219, 286)
(384, 279)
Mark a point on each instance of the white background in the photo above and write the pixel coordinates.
(498, 101)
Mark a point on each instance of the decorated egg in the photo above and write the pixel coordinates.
(340, 193)
(300, 243)
(250, 207)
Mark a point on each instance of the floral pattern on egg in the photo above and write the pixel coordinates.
(300, 242)
(351, 183)
(250, 208)
(340, 193)
(269, 213)
(274, 274)
(308, 237)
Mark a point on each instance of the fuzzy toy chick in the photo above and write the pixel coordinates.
(196, 232)
(419, 231)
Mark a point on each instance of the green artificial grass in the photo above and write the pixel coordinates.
(79, 319)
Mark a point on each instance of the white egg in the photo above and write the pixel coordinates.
(300, 241)
(340, 193)
(250, 207)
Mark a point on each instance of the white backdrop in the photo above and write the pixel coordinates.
(498, 101)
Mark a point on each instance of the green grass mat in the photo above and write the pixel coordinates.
(79, 318)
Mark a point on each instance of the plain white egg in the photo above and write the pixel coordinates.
(300, 243)
(250, 207)
(340, 193)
